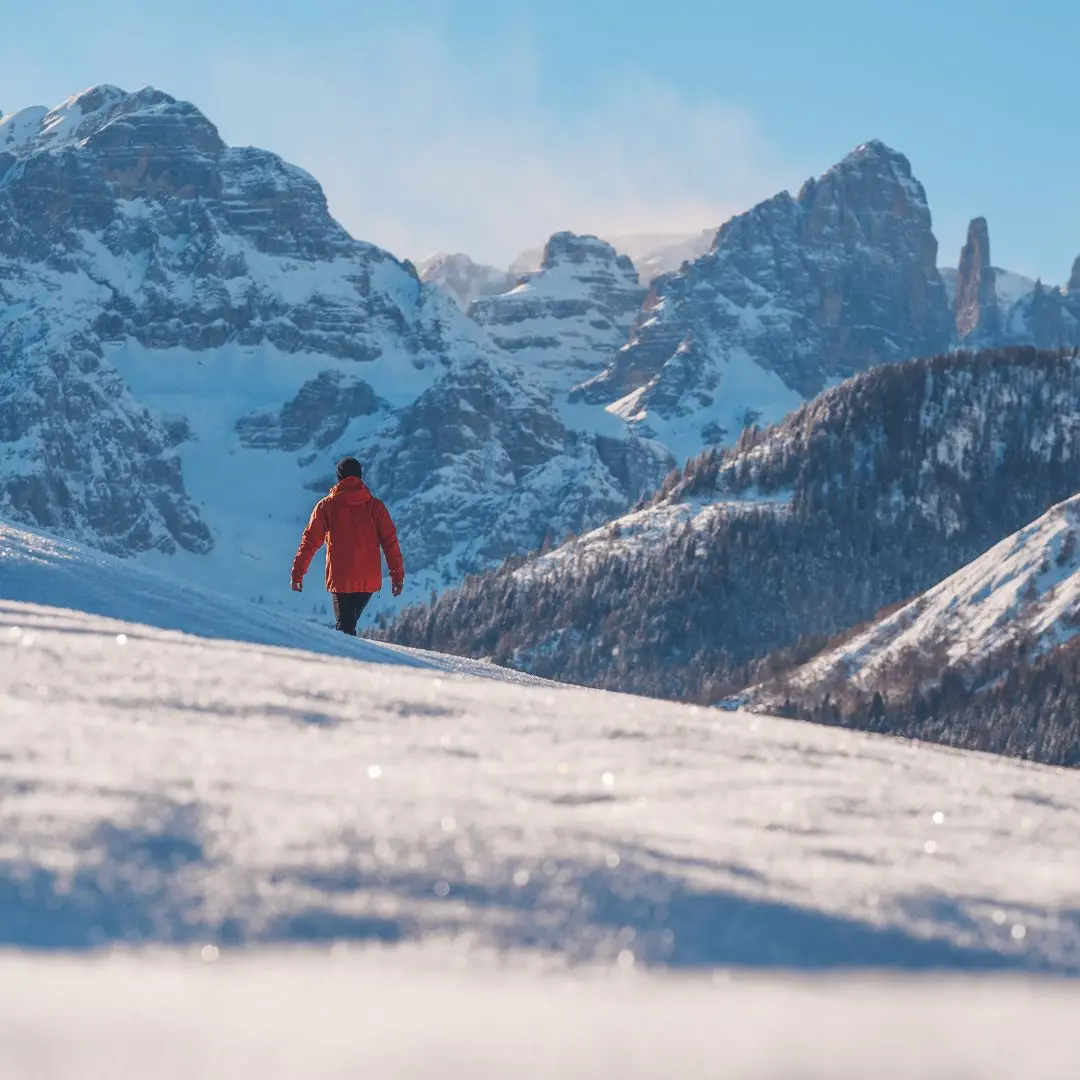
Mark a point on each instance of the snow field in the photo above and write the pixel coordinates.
(223, 859)
(294, 1015)
(166, 789)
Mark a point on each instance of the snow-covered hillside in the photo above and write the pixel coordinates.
(1025, 589)
(36, 569)
(346, 1012)
(161, 789)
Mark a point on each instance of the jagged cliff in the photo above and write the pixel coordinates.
(794, 293)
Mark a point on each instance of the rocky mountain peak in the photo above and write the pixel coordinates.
(1073, 285)
(568, 247)
(463, 278)
(976, 305)
(188, 340)
(564, 321)
(795, 292)
(88, 116)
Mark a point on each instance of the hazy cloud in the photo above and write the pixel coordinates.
(420, 145)
(420, 153)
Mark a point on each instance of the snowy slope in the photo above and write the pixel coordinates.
(462, 868)
(39, 571)
(634, 534)
(1024, 589)
(337, 1015)
(165, 789)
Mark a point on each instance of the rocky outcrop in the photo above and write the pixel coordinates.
(464, 279)
(794, 293)
(78, 454)
(316, 417)
(976, 304)
(481, 467)
(563, 322)
(1046, 317)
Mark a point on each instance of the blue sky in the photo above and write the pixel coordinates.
(480, 126)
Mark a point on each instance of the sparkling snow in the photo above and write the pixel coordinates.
(490, 860)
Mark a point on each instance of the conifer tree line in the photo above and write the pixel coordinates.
(875, 490)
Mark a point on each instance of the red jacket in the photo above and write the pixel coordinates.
(355, 525)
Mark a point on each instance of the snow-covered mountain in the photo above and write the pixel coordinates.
(564, 321)
(794, 294)
(188, 340)
(652, 253)
(464, 279)
(1024, 591)
(866, 496)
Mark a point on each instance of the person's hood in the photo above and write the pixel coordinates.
(352, 491)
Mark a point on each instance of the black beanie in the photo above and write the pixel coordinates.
(349, 466)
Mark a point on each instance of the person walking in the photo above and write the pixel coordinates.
(358, 530)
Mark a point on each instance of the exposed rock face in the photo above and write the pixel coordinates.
(317, 417)
(565, 321)
(78, 454)
(518, 473)
(464, 279)
(796, 292)
(1074, 278)
(987, 301)
(1046, 317)
(976, 303)
(188, 340)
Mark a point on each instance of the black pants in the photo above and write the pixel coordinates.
(348, 607)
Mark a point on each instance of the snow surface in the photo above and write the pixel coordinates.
(168, 789)
(340, 1017)
(37, 569)
(503, 878)
(1025, 587)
